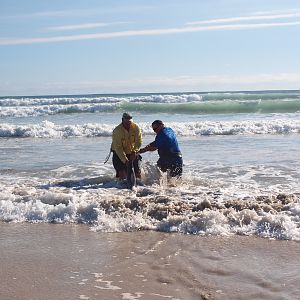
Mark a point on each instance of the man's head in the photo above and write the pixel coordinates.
(126, 120)
(157, 125)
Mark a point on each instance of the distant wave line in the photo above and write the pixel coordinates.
(192, 107)
(150, 98)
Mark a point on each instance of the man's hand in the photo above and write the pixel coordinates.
(133, 156)
(142, 150)
(149, 147)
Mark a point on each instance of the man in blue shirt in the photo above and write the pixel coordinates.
(166, 144)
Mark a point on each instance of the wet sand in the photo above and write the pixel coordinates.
(49, 261)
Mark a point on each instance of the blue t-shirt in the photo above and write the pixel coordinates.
(166, 143)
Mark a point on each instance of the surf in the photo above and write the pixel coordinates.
(256, 126)
(183, 103)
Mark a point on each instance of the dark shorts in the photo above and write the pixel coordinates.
(174, 165)
(120, 166)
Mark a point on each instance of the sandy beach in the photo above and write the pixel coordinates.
(51, 261)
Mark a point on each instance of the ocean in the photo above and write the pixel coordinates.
(241, 157)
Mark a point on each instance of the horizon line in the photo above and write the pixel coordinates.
(157, 93)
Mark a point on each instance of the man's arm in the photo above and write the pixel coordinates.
(149, 147)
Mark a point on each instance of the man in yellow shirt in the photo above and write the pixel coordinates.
(126, 142)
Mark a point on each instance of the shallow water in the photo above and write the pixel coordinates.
(241, 171)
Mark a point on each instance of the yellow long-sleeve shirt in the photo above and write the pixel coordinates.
(124, 142)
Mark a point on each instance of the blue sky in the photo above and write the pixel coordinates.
(126, 46)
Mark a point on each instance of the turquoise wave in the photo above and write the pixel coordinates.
(248, 96)
(221, 107)
(180, 103)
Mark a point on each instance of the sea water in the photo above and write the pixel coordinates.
(240, 150)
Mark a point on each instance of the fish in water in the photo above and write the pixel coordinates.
(131, 178)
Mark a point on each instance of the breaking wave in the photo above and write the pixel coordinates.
(103, 205)
(193, 103)
(48, 129)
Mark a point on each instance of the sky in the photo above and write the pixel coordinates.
(63, 47)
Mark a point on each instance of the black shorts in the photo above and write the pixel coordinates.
(120, 166)
(175, 166)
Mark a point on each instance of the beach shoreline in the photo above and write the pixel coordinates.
(53, 261)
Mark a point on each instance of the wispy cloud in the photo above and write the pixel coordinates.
(79, 12)
(247, 18)
(46, 14)
(147, 32)
(272, 12)
(82, 26)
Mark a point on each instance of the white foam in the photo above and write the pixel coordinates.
(224, 201)
(129, 296)
(48, 129)
(26, 111)
(22, 107)
(278, 226)
(184, 209)
(42, 101)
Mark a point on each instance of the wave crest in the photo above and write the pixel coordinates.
(48, 129)
(192, 103)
